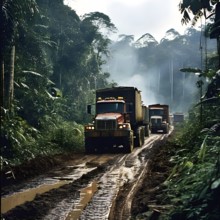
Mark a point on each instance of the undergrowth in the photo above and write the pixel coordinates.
(21, 142)
(193, 187)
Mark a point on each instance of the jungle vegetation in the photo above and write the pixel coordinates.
(193, 187)
(51, 63)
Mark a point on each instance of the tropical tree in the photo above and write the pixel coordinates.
(80, 51)
(96, 24)
(12, 15)
(202, 9)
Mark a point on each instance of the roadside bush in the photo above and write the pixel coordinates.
(21, 142)
(193, 187)
(18, 139)
(68, 136)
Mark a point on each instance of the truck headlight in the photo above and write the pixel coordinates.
(89, 127)
(125, 126)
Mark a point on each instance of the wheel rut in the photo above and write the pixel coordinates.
(90, 187)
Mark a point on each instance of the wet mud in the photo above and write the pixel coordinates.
(104, 186)
(148, 202)
(147, 187)
(41, 206)
(13, 175)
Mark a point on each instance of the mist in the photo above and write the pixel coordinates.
(154, 68)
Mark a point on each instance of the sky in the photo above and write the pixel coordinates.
(135, 17)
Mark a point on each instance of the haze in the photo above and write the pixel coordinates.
(135, 17)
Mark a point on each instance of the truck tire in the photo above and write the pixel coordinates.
(139, 140)
(142, 135)
(130, 145)
(147, 131)
(165, 131)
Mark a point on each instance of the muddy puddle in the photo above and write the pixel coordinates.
(20, 198)
(86, 195)
(89, 196)
(41, 186)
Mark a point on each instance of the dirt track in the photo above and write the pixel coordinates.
(105, 186)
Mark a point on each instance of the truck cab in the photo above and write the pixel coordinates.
(120, 121)
(159, 118)
(110, 114)
(158, 124)
(111, 127)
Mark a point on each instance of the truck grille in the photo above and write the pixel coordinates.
(106, 124)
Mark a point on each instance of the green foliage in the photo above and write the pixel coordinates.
(16, 137)
(190, 131)
(57, 68)
(202, 150)
(197, 8)
(67, 136)
(21, 142)
(193, 186)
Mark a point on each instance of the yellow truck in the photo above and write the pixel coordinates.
(121, 121)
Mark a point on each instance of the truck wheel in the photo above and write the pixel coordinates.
(142, 135)
(147, 131)
(165, 131)
(139, 140)
(130, 146)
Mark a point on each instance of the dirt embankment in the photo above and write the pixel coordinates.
(147, 200)
(148, 203)
(147, 197)
(11, 175)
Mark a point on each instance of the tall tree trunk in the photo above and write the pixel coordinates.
(218, 48)
(2, 70)
(11, 78)
(2, 86)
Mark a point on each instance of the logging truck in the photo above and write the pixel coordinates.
(121, 121)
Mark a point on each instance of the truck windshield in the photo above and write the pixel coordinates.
(110, 107)
(156, 121)
(159, 112)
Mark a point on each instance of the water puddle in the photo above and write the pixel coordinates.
(86, 195)
(29, 192)
(20, 198)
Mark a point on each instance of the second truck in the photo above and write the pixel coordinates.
(159, 118)
(121, 121)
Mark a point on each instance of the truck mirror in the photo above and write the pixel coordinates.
(126, 118)
(89, 109)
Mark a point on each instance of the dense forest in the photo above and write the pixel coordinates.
(52, 61)
(154, 67)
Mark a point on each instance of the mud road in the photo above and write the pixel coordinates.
(97, 187)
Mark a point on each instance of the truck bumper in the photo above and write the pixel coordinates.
(107, 140)
(159, 128)
(98, 134)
